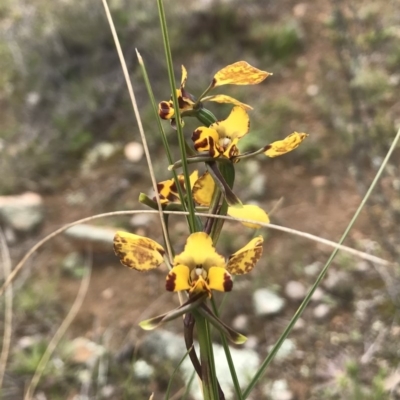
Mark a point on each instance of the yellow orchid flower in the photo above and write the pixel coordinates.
(238, 73)
(222, 137)
(199, 268)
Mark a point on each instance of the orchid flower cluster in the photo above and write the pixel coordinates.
(199, 269)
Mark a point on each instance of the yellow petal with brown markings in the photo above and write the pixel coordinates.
(219, 279)
(239, 73)
(281, 147)
(178, 279)
(244, 260)
(138, 252)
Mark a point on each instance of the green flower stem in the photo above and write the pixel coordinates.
(167, 48)
(204, 94)
(321, 276)
(228, 173)
(231, 365)
(210, 388)
(206, 117)
(213, 209)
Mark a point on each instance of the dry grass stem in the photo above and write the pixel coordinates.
(329, 243)
(139, 121)
(8, 303)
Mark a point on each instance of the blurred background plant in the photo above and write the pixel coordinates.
(66, 119)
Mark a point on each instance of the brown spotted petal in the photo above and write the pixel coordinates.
(168, 190)
(206, 139)
(138, 252)
(166, 109)
(239, 73)
(244, 260)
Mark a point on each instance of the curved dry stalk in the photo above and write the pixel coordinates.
(305, 235)
(6, 262)
(83, 288)
(140, 125)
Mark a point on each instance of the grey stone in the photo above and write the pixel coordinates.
(84, 351)
(241, 323)
(133, 151)
(318, 295)
(139, 220)
(313, 269)
(22, 213)
(280, 390)
(321, 311)
(143, 370)
(267, 302)
(100, 238)
(339, 283)
(102, 151)
(295, 290)
(286, 350)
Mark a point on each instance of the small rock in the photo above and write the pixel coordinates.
(100, 238)
(279, 390)
(339, 283)
(107, 294)
(362, 266)
(299, 10)
(312, 90)
(72, 261)
(318, 295)
(251, 343)
(140, 220)
(241, 323)
(319, 181)
(143, 370)
(84, 351)
(299, 325)
(285, 351)
(133, 151)
(313, 269)
(257, 185)
(321, 311)
(295, 290)
(102, 151)
(22, 213)
(107, 391)
(267, 302)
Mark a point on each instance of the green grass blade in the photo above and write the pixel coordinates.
(160, 127)
(167, 48)
(305, 302)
